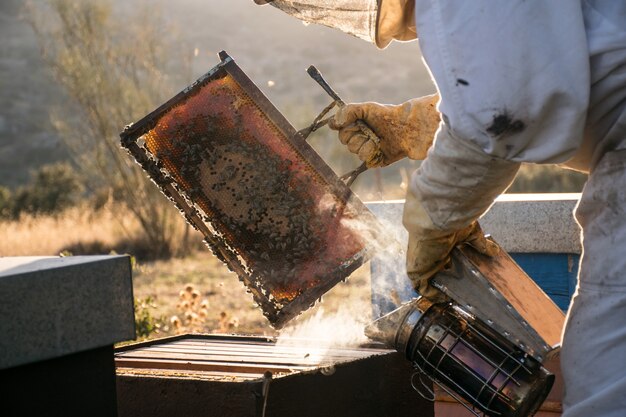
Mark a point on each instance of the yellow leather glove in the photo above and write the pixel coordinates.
(429, 247)
(404, 130)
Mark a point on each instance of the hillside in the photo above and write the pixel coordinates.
(27, 139)
(267, 44)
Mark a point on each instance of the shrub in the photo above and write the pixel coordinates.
(5, 202)
(114, 67)
(54, 188)
(145, 323)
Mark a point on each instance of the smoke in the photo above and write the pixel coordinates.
(317, 337)
(321, 335)
(386, 239)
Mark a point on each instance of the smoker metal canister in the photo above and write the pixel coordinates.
(465, 357)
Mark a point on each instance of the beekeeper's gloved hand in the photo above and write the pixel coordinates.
(430, 247)
(405, 130)
(452, 188)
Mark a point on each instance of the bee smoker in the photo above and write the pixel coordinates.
(486, 355)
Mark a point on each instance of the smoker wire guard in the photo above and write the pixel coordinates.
(512, 365)
(277, 316)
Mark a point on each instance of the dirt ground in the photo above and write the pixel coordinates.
(220, 302)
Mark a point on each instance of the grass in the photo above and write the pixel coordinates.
(229, 308)
(51, 235)
(159, 285)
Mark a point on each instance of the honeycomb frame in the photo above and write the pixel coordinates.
(266, 203)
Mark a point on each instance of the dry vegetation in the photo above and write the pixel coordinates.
(82, 230)
(32, 235)
(198, 291)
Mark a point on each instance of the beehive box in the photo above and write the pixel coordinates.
(61, 317)
(238, 376)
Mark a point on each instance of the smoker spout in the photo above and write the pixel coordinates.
(394, 329)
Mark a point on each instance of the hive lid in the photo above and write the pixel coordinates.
(55, 306)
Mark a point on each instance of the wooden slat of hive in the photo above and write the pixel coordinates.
(214, 354)
(187, 374)
(285, 344)
(210, 366)
(304, 357)
(208, 357)
(270, 350)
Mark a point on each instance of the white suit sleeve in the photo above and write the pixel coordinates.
(457, 183)
(514, 83)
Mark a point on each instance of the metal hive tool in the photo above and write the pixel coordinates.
(267, 204)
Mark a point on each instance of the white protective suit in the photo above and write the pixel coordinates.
(542, 82)
(521, 81)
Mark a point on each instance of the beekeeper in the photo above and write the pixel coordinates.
(518, 81)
